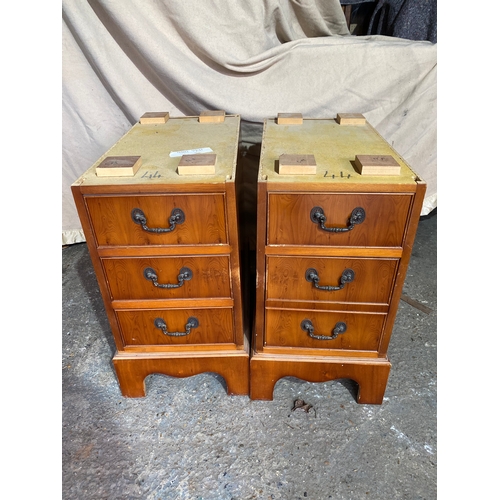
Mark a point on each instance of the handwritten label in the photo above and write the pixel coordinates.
(341, 176)
(174, 154)
(148, 175)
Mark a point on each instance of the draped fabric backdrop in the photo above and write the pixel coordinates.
(122, 58)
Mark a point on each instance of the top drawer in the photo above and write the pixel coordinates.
(148, 220)
(348, 219)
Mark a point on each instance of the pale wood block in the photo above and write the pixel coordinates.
(200, 164)
(377, 165)
(297, 165)
(215, 116)
(154, 117)
(289, 119)
(118, 166)
(351, 119)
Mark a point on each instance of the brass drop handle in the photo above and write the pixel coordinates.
(192, 322)
(313, 277)
(307, 326)
(176, 217)
(185, 274)
(318, 216)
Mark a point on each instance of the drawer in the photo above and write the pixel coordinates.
(176, 326)
(200, 219)
(286, 328)
(374, 219)
(175, 277)
(343, 279)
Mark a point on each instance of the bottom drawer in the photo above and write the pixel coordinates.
(176, 326)
(323, 329)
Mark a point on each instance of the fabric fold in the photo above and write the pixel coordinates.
(255, 59)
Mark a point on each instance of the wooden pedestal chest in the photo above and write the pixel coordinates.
(332, 253)
(166, 253)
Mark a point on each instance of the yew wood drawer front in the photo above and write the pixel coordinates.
(333, 279)
(338, 219)
(189, 219)
(336, 329)
(168, 277)
(176, 326)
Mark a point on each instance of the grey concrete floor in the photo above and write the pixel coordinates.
(188, 440)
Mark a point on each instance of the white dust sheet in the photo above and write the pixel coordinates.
(256, 59)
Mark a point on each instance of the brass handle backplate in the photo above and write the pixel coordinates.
(176, 217)
(185, 274)
(313, 277)
(339, 328)
(318, 216)
(192, 322)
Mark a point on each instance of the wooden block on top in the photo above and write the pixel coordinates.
(289, 119)
(118, 166)
(377, 165)
(296, 165)
(154, 117)
(215, 116)
(199, 164)
(351, 119)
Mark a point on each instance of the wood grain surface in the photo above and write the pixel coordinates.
(210, 277)
(138, 326)
(373, 279)
(384, 225)
(113, 225)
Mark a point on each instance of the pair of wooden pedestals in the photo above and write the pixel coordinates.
(333, 245)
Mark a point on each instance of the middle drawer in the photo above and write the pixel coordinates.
(331, 279)
(168, 277)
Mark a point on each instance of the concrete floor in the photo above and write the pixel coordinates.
(188, 440)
